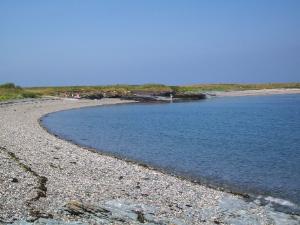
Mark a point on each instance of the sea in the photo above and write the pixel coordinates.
(248, 144)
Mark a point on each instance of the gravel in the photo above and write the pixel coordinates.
(46, 180)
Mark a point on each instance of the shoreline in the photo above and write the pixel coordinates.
(260, 92)
(279, 203)
(69, 172)
(248, 196)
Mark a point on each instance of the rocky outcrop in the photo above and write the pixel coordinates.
(153, 93)
(111, 212)
(140, 98)
(93, 95)
(229, 210)
(146, 96)
(116, 211)
(190, 96)
(165, 97)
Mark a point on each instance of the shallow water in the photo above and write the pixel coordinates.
(249, 144)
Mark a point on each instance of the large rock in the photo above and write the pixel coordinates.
(92, 96)
(190, 96)
(116, 212)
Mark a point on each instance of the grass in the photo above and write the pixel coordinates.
(233, 87)
(107, 88)
(11, 91)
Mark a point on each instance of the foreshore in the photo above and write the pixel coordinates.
(278, 91)
(44, 179)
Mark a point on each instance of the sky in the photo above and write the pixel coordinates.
(97, 42)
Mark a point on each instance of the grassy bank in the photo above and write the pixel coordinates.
(117, 89)
(11, 91)
(160, 88)
(234, 87)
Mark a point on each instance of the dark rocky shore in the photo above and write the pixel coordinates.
(145, 96)
(46, 180)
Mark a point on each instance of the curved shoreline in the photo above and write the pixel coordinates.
(203, 182)
(74, 174)
(254, 195)
(139, 163)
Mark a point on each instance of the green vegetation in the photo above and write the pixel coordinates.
(118, 89)
(11, 91)
(9, 86)
(233, 87)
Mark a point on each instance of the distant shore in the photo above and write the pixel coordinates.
(47, 179)
(278, 91)
(146, 92)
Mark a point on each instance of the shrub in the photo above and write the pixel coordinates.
(29, 95)
(8, 85)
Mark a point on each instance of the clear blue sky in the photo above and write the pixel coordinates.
(72, 42)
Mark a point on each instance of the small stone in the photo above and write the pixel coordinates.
(140, 216)
(15, 180)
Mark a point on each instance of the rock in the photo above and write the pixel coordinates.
(114, 212)
(77, 208)
(189, 96)
(140, 98)
(236, 211)
(44, 221)
(15, 180)
(163, 97)
(153, 93)
(92, 96)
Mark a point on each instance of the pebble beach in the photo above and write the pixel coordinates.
(47, 180)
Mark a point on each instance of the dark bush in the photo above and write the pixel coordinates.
(8, 85)
(29, 95)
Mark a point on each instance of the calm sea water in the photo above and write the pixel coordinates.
(249, 144)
